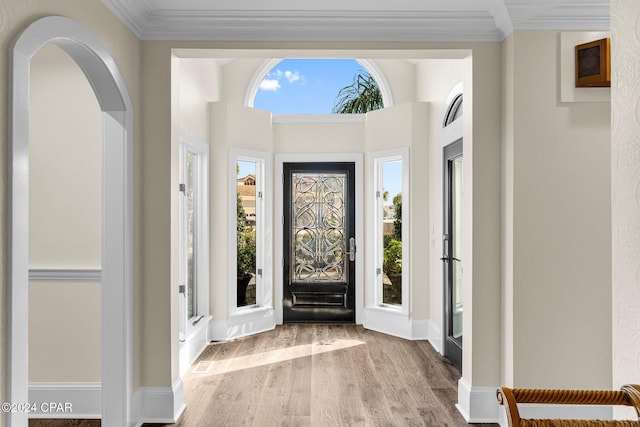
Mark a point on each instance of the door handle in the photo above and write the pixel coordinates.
(352, 249)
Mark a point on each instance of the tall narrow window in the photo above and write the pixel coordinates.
(249, 272)
(194, 232)
(246, 215)
(191, 217)
(391, 231)
(391, 213)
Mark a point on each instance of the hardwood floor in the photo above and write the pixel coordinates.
(303, 375)
(320, 375)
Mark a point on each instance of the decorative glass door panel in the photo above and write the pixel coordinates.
(318, 215)
(318, 238)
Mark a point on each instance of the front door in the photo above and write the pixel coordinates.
(452, 253)
(319, 242)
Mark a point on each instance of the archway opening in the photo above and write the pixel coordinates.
(65, 227)
(117, 215)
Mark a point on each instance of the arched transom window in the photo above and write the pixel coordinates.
(318, 86)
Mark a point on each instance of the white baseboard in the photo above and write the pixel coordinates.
(478, 404)
(435, 337)
(419, 329)
(395, 323)
(194, 344)
(159, 404)
(84, 399)
(242, 323)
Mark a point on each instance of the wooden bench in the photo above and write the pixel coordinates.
(629, 395)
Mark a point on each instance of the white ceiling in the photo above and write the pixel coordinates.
(355, 20)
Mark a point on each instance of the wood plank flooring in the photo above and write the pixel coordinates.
(303, 375)
(320, 375)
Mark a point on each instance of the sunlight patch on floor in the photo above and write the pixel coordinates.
(275, 356)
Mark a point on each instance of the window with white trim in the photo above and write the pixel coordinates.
(194, 234)
(454, 110)
(249, 272)
(391, 212)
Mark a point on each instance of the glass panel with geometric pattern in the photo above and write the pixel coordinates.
(319, 240)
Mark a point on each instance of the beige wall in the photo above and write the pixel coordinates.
(120, 42)
(65, 219)
(199, 83)
(237, 74)
(401, 76)
(159, 249)
(400, 126)
(625, 162)
(318, 137)
(64, 332)
(65, 165)
(558, 186)
(233, 126)
(434, 81)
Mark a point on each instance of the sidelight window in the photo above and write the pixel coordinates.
(194, 232)
(391, 208)
(250, 286)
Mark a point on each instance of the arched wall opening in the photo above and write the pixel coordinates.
(103, 75)
(65, 229)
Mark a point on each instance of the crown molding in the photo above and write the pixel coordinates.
(477, 21)
(133, 13)
(566, 15)
(305, 25)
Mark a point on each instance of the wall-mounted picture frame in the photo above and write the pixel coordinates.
(593, 64)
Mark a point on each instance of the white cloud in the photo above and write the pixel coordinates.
(272, 81)
(270, 84)
(292, 76)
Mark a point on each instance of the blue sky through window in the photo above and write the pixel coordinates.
(310, 86)
(305, 86)
(392, 179)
